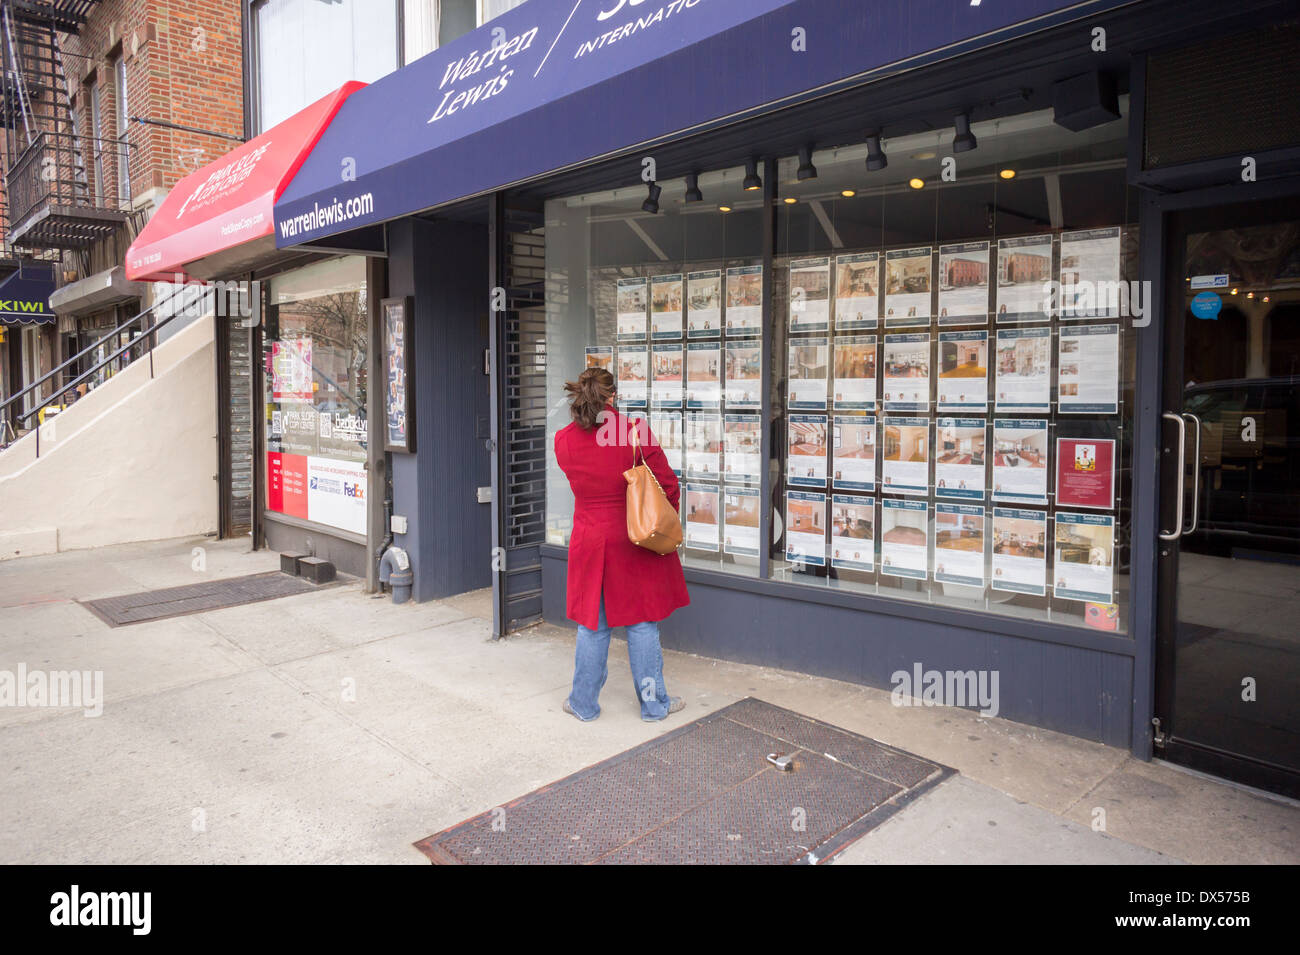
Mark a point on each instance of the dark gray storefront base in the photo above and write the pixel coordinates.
(1080, 684)
(285, 535)
(449, 526)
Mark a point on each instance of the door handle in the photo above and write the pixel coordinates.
(1182, 467)
(1196, 474)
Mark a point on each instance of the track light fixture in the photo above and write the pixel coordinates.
(651, 204)
(752, 181)
(965, 140)
(693, 193)
(876, 158)
(806, 168)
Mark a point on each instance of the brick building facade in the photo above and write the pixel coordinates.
(183, 63)
(177, 62)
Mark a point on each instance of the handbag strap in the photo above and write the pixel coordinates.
(636, 446)
(635, 431)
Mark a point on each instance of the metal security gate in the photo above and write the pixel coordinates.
(240, 489)
(236, 417)
(518, 366)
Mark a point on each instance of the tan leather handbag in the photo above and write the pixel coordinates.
(651, 521)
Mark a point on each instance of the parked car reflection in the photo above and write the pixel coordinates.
(1249, 466)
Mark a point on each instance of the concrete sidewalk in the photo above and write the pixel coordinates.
(337, 727)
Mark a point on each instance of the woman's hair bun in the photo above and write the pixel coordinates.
(589, 395)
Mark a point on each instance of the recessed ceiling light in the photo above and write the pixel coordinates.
(916, 183)
(724, 208)
(848, 193)
(1007, 174)
(927, 154)
(1234, 291)
(790, 200)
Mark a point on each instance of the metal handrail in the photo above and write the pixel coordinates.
(85, 376)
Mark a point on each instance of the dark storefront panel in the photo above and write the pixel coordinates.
(442, 265)
(1195, 114)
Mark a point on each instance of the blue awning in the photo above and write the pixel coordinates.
(25, 295)
(557, 82)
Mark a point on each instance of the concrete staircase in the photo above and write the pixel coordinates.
(133, 460)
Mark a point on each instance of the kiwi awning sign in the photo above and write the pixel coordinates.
(25, 295)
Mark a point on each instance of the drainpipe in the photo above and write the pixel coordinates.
(388, 531)
(395, 570)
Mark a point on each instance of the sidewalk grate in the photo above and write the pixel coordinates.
(704, 794)
(196, 598)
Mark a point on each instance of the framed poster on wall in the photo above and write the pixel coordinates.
(399, 399)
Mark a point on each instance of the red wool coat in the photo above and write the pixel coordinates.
(638, 584)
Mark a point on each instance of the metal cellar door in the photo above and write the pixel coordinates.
(518, 369)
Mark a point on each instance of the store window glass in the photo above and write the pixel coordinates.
(671, 302)
(951, 363)
(314, 368)
(122, 107)
(306, 49)
(954, 367)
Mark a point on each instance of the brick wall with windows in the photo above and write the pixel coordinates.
(183, 63)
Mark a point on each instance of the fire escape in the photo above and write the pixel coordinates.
(51, 203)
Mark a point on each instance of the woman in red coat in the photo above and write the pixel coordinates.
(613, 582)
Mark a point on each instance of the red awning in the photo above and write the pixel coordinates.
(226, 207)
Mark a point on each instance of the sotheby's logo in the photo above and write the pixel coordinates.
(74, 907)
(946, 688)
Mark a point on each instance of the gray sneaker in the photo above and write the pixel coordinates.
(675, 704)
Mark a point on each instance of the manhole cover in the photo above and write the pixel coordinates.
(704, 793)
(196, 598)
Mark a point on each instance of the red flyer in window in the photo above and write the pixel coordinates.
(1085, 473)
(1101, 616)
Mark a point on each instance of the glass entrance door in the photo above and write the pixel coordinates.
(1228, 669)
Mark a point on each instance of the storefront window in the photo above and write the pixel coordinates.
(956, 432)
(306, 49)
(314, 365)
(951, 363)
(643, 294)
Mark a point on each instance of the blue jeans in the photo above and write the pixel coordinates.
(591, 668)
